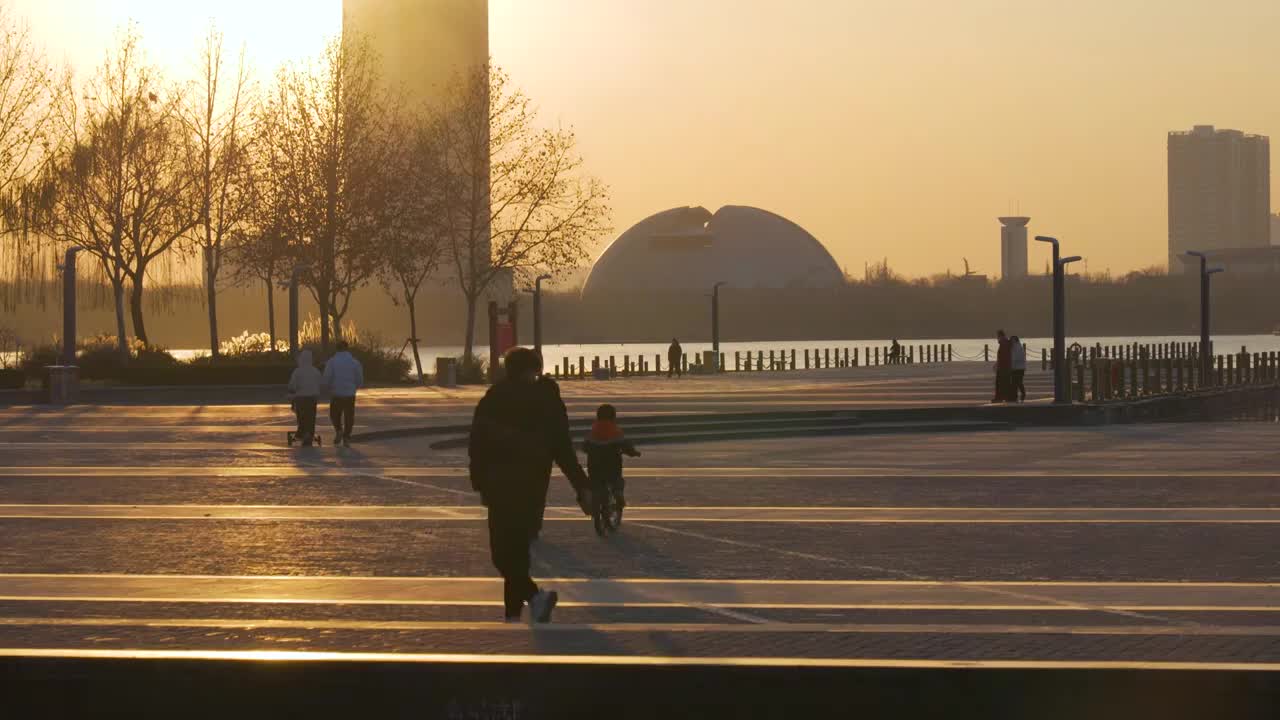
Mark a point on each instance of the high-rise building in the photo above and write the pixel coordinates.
(426, 47)
(1013, 247)
(424, 44)
(1219, 191)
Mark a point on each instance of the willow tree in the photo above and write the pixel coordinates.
(120, 175)
(216, 115)
(516, 199)
(28, 92)
(331, 133)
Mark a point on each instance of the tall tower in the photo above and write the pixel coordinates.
(424, 44)
(1219, 191)
(1013, 247)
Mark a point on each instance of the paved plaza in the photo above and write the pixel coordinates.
(139, 529)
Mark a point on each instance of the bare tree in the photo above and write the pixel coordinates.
(516, 199)
(414, 242)
(332, 147)
(121, 175)
(28, 90)
(216, 116)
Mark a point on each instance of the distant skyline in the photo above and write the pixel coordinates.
(888, 130)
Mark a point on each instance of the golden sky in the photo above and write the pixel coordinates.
(891, 129)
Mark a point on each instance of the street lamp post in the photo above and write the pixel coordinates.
(1061, 377)
(69, 306)
(293, 308)
(537, 312)
(1206, 358)
(715, 322)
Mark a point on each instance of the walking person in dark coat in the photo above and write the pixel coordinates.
(520, 428)
(675, 354)
(1004, 368)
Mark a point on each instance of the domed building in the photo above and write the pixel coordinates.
(690, 248)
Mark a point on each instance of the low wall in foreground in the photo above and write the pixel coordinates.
(385, 687)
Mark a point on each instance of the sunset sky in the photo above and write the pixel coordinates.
(889, 129)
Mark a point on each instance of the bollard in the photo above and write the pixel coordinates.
(855, 357)
(626, 366)
(846, 357)
(793, 358)
(737, 361)
(826, 357)
(877, 362)
(950, 352)
(1044, 359)
(613, 367)
(986, 353)
(806, 359)
(1146, 375)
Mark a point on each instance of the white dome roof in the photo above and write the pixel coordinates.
(691, 249)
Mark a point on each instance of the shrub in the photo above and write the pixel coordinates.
(12, 379)
(251, 344)
(473, 370)
(36, 359)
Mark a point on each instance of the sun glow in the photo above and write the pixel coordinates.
(272, 32)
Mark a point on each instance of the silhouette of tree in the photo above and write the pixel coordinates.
(516, 200)
(217, 114)
(120, 175)
(414, 244)
(331, 132)
(28, 92)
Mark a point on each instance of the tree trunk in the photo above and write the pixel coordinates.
(213, 316)
(135, 310)
(271, 314)
(413, 338)
(117, 286)
(324, 319)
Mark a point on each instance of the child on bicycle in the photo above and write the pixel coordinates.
(605, 447)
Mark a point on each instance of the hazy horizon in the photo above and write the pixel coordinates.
(895, 131)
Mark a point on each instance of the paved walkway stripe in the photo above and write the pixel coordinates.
(644, 591)
(621, 660)
(737, 628)
(748, 514)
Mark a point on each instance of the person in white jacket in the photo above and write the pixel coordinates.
(304, 390)
(1018, 389)
(343, 375)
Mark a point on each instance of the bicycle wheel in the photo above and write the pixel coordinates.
(600, 518)
(614, 519)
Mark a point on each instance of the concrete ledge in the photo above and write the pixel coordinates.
(477, 687)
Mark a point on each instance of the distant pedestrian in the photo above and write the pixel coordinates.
(895, 352)
(520, 428)
(675, 357)
(343, 375)
(1017, 388)
(1004, 368)
(304, 390)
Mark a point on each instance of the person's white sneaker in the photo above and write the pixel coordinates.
(541, 605)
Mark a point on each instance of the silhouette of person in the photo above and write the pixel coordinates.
(520, 428)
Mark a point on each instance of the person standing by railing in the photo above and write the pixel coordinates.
(1018, 388)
